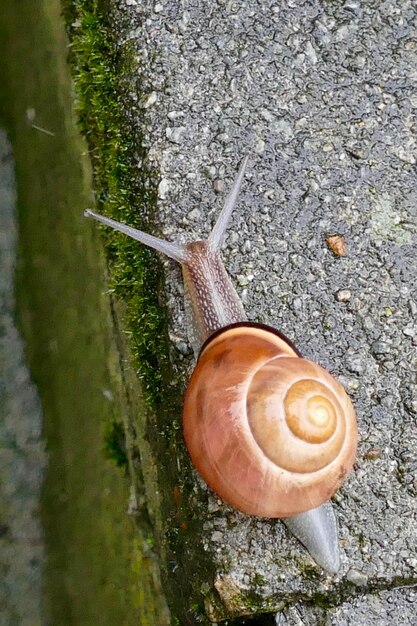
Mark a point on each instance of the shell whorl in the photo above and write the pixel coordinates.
(271, 433)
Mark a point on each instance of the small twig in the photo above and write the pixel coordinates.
(43, 130)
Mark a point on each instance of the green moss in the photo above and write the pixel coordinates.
(121, 189)
(115, 443)
(258, 580)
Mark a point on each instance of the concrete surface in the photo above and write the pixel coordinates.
(397, 606)
(323, 97)
(22, 455)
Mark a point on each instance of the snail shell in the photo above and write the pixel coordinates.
(271, 433)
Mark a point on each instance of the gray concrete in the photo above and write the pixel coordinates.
(22, 456)
(323, 96)
(397, 606)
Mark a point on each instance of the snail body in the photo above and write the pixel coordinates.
(273, 434)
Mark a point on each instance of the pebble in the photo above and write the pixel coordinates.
(380, 347)
(183, 347)
(372, 454)
(357, 578)
(218, 185)
(163, 188)
(151, 99)
(344, 295)
(175, 134)
(194, 214)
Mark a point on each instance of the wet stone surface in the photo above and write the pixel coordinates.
(323, 97)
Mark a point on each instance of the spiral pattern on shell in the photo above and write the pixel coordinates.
(271, 433)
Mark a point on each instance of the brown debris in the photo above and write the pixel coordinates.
(337, 244)
(373, 454)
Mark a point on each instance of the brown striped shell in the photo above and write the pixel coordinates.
(271, 433)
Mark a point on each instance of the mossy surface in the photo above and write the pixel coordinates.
(123, 189)
(100, 569)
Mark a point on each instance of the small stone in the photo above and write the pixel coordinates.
(343, 295)
(372, 454)
(350, 384)
(259, 145)
(194, 214)
(175, 134)
(388, 402)
(297, 304)
(213, 505)
(296, 260)
(163, 188)
(247, 246)
(411, 405)
(310, 52)
(230, 593)
(359, 61)
(406, 155)
(218, 185)
(413, 308)
(172, 115)
(380, 347)
(357, 578)
(150, 100)
(183, 347)
(354, 365)
(223, 137)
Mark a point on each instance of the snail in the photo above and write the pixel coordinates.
(272, 434)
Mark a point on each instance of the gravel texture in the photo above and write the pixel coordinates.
(323, 97)
(22, 455)
(397, 606)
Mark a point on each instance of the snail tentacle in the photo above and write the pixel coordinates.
(216, 236)
(173, 250)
